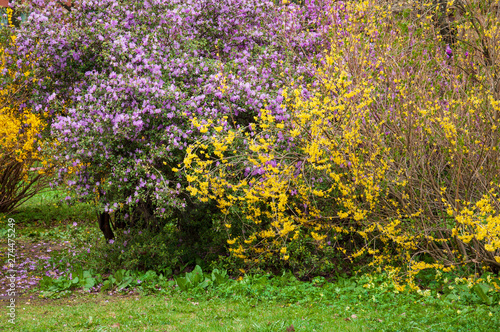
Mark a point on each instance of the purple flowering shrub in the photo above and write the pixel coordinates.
(130, 85)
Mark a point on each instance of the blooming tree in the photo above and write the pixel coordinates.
(131, 85)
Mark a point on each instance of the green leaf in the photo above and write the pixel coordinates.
(205, 283)
(53, 288)
(89, 283)
(196, 275)
(119, 276)
(106, 285)
(182, 283)
(78, 272)
(481, 290)
(219, 277)
(46, 282)
(124, 284)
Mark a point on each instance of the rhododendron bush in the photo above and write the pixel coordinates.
(130, 84)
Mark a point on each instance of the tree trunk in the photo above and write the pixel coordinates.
(105, 226)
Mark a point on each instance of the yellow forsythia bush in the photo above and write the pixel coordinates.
(392, 154)
(21, 171)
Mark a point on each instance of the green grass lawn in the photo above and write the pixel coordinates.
(48, 208)
(155, 313)
(182, 313)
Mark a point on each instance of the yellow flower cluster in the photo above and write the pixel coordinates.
(20, 139)
(18, 135)
(396, 145)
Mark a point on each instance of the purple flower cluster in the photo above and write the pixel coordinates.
(32, 259)
(123, 81)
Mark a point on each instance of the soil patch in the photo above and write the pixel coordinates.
(24, 266)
